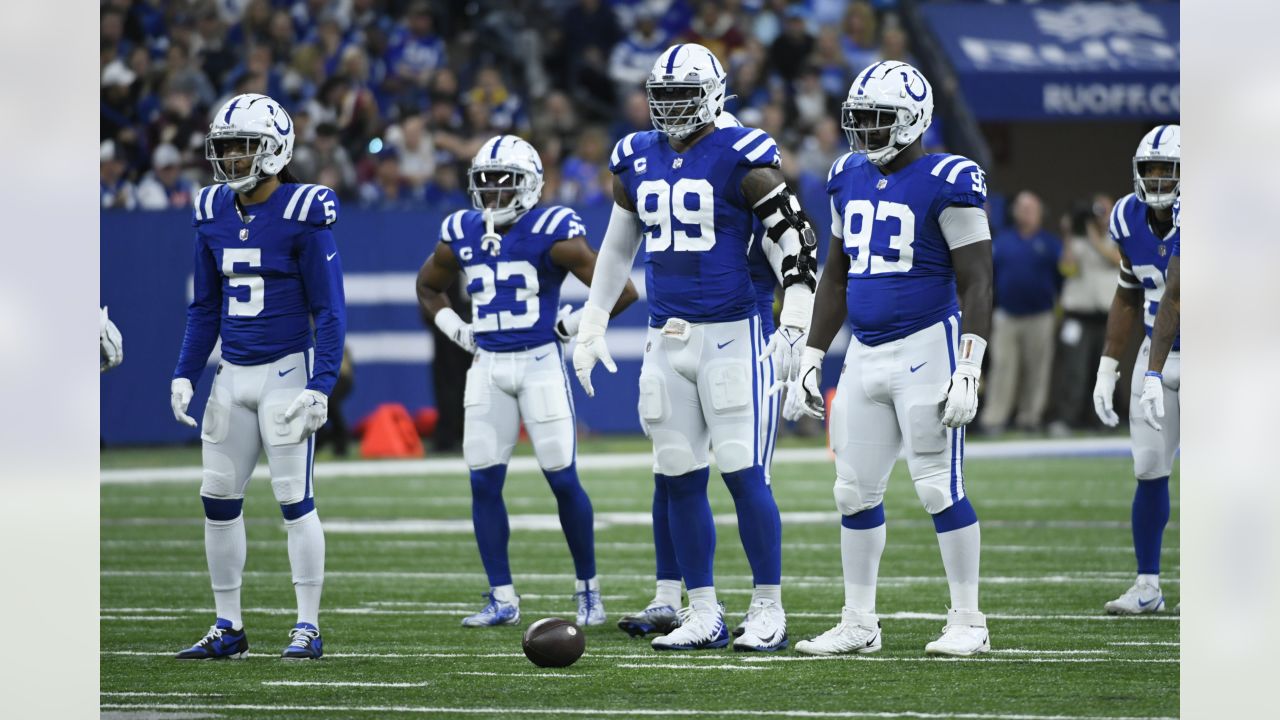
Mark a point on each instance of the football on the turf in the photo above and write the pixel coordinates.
(552, 642)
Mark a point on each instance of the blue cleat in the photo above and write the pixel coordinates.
(660, 619)
(496, 612)
(222, 643)
(590, 608)
(304, 643)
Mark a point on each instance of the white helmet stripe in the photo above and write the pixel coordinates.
(671, 59)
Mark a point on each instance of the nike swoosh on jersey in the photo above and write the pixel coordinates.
(286, 372)
(917, 367)
(332, 256)
(720, 346)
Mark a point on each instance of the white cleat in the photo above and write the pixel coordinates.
(857, 633)
(1140, 599)
(964, 635)
(764, 630)
(701, 628)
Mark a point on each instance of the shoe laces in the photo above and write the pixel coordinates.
(586, 600)
(302, 637)
(215, 633)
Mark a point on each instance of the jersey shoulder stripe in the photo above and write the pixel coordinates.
(311, 204)
(203, 205)
(628, 146)
(953, 165)
(753, 145)
(838, 166)
(451, 227)
(1119, 225)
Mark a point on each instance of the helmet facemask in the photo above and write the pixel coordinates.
(874, 130)
(1157, 180)
(680, 108)
(227, 152)
(506, 191)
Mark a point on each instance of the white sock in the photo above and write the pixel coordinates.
(703, 595)
(767, 592)
(505, 593)
(860, 552)
(592, 584)
(668, 593)
(1152, 580)
(306, 558)
(961, 550)
(225, 548)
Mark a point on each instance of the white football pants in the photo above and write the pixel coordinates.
(502, 388)
(889, 396)
(244, 415)
(1153, 450)
(708, 390)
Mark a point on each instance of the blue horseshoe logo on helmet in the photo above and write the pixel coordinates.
(282, 130)
(906, 82)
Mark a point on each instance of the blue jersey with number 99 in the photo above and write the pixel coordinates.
(901, 279)
(697, 223)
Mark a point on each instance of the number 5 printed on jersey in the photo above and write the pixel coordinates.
(670, 211)
(860, 220)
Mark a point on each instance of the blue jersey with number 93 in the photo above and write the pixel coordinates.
(697, 223)
(900, 275)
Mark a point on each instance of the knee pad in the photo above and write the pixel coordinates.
(734, 454)
(654, 406)
(554, 451)
(290, 488)
(296, 511)
(851, 500)
(672, 453)
(217, 415)
(219, 476)
(935, 492)
(1149, 456)
(222, 509)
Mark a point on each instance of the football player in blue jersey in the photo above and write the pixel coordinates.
(1164, 331)
(515, 256)
(691, 192)
(266, 269)
(910, 268)
(764, 261)
(1142, 224)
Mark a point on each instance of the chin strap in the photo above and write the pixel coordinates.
(491, 241)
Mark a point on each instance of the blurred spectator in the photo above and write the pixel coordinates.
(634, 56)
(506, 112)
(893, 45)
(1089, 260)
(716, 29)
(115, 189)
(445, 190)
(789, 52)
(584, 177)
(325, 157)
(634, 116)
(1027, 280)
(164, 188)
(416, 50)
(387, 190)
(820, 149)
(589, 30)
(416, 150)
(833, 67)
(859, 40)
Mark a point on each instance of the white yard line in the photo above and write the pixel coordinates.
(520, 675)
(1002, 449)
(335, 683)
(159, 694)
(601, 712)
(1145, 644)
(685, 666)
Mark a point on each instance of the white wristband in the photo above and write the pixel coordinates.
(812, 356)
(797, 307)
(1108, 365)
(448, 321)
(594, 322)
(972, 350)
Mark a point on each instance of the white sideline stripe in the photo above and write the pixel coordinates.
(124, 693)
(1029, 651)
(518, 675)
(334, 683)
(1134, 643)
(1020, 659)
(997, 450)
(594, 712)
(685, 666)
(835, 582)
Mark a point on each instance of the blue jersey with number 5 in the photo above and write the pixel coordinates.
(697, 223)
(515, 293)
(263, 274)
(900, 275)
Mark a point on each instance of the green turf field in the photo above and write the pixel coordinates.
(1056, 546)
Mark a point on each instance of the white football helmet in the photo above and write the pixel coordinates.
(1157, 172)
(686, 90)
(508, 171)
(249, 126)
(890, 105)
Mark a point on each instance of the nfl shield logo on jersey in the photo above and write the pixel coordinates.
(882, 184)
(244, 234)
(675, 165)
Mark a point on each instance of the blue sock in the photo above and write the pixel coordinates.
(576, 519)
(959, 515)
(489, 516)
(693, 529)
(1150, 515)
(758, 523)
(668, 567)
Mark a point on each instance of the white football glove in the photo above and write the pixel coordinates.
(785, 346)
(1152, 400)
(1104, 390)
(314, 407)
(793, 403)
(809, 383)
(110, 344)
(960, 396)
(567, 322)
(591, 348)
(451, 324)
(180, 393)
